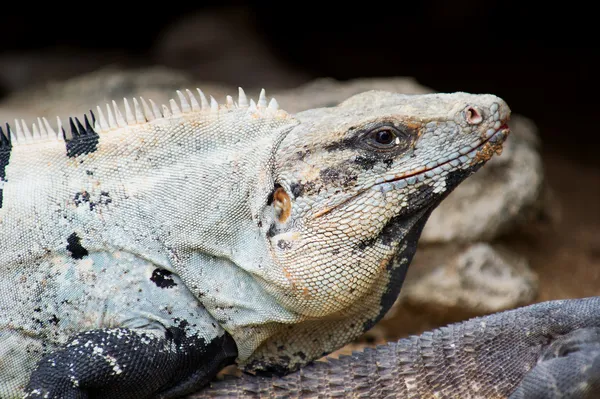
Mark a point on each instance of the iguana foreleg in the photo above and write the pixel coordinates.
(125, 363)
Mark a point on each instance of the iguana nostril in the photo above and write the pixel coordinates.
(473, 116)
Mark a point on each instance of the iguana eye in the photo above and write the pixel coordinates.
(384, 137)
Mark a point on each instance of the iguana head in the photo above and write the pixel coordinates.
(355, 184)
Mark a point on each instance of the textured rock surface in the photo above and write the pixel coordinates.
(480, 277)
(326, 92)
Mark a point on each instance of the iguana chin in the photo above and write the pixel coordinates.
(147, 248)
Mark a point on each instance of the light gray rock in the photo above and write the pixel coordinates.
(479, 278)
(327, 92)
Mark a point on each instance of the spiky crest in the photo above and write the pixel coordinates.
(5, 139)
(140, 113)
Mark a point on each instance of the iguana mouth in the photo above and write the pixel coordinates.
(480, 151)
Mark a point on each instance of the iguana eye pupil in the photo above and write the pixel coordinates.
(385, 136)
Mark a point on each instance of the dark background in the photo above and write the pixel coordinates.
(542, 59)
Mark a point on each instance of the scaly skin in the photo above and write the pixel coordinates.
(548, 350)
(141, 254)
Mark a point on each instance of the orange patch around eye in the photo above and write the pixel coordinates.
(282, 202)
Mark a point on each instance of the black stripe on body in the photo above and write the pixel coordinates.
(5, 149)
(84, 140)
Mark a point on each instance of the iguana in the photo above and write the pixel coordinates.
(147, 247)
(549, 350)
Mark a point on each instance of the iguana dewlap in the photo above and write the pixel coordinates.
(146, 248)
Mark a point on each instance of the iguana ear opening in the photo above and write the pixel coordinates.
(282, 203)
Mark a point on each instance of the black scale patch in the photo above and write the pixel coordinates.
(5, 149)
(74, 246)
(84, 139)
(148, 366)
(398, 273)
(83, 198)
(162, 278)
